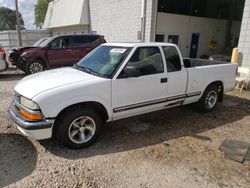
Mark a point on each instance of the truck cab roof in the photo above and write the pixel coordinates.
(139, 44)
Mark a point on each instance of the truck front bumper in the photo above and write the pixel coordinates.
(38, 130)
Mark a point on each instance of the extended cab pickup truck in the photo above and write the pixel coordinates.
(115, 81)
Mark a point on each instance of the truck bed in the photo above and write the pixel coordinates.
(202, 72)
(191, 62)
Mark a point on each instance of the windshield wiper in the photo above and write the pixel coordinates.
(85, 69)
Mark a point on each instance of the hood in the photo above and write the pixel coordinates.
(22, 49)
(29, 49)
(35, 84)
(15, 53)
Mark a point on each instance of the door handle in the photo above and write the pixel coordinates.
(164, 80)
(88, 49)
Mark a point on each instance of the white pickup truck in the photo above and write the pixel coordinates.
(115, 81)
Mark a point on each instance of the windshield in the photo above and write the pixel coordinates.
(104, 60)
(37, 43)
(46, 42)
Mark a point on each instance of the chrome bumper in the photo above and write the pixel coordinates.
(37, 129)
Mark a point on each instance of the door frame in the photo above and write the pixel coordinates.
(192, 42)
(140, 106)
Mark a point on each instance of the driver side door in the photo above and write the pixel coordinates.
(145, 93)
(59, 54)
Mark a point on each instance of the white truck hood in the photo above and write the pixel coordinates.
(35, 84)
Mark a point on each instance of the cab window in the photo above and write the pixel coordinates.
(172, 59)
(148, 60)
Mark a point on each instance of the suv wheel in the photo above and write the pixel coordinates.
(35, 66)
(78, 128)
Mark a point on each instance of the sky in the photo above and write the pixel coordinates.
(26, 7)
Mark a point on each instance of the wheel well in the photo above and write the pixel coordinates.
(37, 58)
(95, 105)
(220, 86)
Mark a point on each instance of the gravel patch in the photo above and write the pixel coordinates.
(178, 147)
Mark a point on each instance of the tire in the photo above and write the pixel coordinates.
(34, 66)
(78, 127)
(209, 99)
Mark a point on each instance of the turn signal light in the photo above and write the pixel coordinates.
(29, 116)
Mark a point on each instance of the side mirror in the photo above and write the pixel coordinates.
(131, 71)
(49, 46)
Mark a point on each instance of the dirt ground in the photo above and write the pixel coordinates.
(172, 148)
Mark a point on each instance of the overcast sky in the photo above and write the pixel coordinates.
(26, 7)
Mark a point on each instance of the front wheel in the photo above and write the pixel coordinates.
(209, 99)
(78, 128)
(34, 66)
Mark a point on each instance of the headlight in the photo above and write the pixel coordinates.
(25, 53)
(32, 111)
(29, 103)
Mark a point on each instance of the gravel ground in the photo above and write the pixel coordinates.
(171, 148)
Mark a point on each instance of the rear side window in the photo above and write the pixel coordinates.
(172, 58)
(148, 60)
(76, 41)
(93, 38)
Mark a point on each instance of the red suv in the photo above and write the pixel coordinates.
(54, 52)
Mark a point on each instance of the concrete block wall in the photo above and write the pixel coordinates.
(8, 39)
(244, 41)
(120, 20)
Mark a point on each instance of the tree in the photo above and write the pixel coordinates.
(8, 19)
(40, 12)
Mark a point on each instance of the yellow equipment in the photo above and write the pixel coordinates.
(235, 55)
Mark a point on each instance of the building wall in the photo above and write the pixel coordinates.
(63, 13)
(70, 30)
(151, 16)
(120, 20)
(244, 42)
(8, 39)
(184, 26)
(73, 21)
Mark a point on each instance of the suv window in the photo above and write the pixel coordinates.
(148, 60)
(60, 42)
(172, 59)
(76, 41)
(93, 38)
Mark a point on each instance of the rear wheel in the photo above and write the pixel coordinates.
(78, 128)
(209, 99)
(34, 66)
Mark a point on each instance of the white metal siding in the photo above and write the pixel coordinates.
(63, 13)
